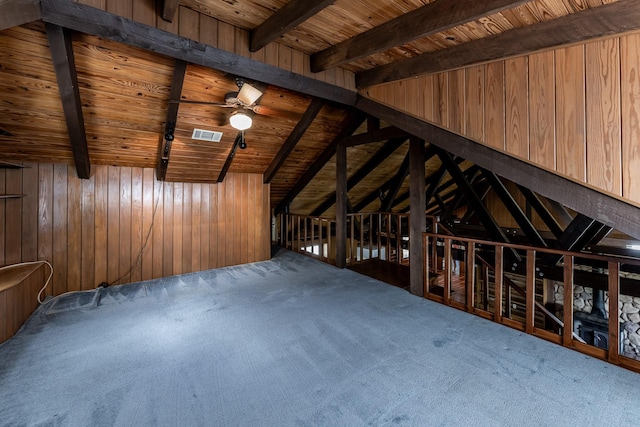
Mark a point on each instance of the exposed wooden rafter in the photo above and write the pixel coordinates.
(352, 123)
(93, 21)
(230, 156)
(376, 194)
(612, 18)
(514, 209)
(169, 8)
(301, 127)
(164, 152)
(396, 182)
(379, 156)
(289, 16)
(375, 135)
(431, 19)
(472, 198)
(18, 12)
(432, 181)
(64, 64)
(542, 211)
(603, 207)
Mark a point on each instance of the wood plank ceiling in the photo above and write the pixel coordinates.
(124, 92)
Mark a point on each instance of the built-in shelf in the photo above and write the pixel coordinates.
(11, 196)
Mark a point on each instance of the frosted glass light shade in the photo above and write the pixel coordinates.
(240, 120)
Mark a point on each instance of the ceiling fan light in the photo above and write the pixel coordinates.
(240, 120)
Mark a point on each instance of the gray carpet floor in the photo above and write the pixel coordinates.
(290, 342)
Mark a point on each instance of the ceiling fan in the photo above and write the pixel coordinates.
(244, 101)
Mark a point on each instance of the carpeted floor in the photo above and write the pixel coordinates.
(293, 341)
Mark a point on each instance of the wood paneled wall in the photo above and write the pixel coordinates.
(93, 231)
(574, 110)
(205, 29)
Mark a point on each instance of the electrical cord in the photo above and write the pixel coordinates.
(33, 263)
(146, 240)
(135, 264)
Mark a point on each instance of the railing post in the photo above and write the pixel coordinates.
(614, 328)
(398, 240)
(470, 275)
(298, 233)
(447, 270)
(361, 237)
(567, 316)
(530, 291)
(498, 279)
(425, 270)
(485, 288)
(306, 234)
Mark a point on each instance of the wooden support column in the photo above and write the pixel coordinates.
(341, 206)
(614, 329)
(417, 219)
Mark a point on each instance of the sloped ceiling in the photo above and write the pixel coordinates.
(125, 84)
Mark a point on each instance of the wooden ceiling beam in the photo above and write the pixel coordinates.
(375, 135)
(351, 124)
(230, 156)
(433, 18)
(379, 156)
(164, 151)
(607, 209)
(89, 20)
(169, 9)
(612, 18)
(289, 16)
(287, 147)
(65, 68)
(18, 12)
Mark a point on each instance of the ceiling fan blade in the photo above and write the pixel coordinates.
(265, 111)
(248, 94)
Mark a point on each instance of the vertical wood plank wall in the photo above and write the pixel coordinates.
(574, 110)
(93, 230)
(205, 29)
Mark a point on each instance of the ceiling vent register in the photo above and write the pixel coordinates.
(206, 135)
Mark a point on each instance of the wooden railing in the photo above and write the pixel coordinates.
(310, 235)
(488, 287)
(514, 285)
(375, 235)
